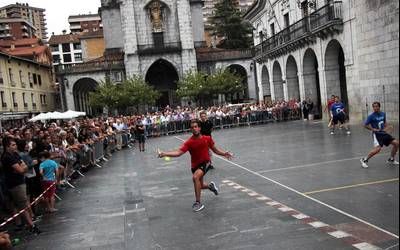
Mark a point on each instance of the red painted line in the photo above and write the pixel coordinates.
(325, 228)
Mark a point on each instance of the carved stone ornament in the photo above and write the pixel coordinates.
(271, 14)
(156, 16)
(285, 4)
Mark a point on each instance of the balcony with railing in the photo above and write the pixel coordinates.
(212, 55)
(325, 21)
(149, 49)
(4, 27)
(90, 66)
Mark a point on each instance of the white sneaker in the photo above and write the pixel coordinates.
(332, 133)
(392, 162)
(363, 163)
(348, 132)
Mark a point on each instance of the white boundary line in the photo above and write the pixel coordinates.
(314, 164)
(306, 196)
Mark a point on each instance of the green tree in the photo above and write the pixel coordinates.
(203, 88)
(135, 91)
(107, 94)
(229, 24)
(225, 82)
(194, 85)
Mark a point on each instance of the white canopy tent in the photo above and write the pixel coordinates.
(57, 116)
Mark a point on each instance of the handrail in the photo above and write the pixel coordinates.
(303, 27)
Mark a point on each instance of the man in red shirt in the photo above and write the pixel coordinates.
(328, 108)
(198, 146)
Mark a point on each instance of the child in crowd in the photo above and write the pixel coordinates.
(49, 171)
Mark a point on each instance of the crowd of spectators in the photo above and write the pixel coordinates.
(47, 156)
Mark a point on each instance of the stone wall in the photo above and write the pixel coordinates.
(377, 46)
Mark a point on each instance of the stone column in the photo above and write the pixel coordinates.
(323, 90)
(301, 84)
(130, 36)
(186, 36)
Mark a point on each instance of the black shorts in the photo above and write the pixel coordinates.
(339, 118)
(141, 138)
(205, 166)
(382, 139)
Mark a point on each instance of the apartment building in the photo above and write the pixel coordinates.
(16, 28)
(84, 23)
(66, 49)
(26, 86)
(35, 16)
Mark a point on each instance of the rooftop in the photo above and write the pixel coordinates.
(67, 38)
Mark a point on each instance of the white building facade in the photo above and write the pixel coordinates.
(315, 49)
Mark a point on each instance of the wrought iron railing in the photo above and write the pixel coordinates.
(323, 17)
(90, 66)
(215, 55)
(159, 48)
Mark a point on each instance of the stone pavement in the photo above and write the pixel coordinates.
(290, 186)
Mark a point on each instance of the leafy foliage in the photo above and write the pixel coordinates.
(134, 91)
(230, 25)
(201, 87)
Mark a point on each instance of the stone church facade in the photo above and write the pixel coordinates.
(157, 38)
(160, 40)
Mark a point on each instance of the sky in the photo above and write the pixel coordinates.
(57, 11)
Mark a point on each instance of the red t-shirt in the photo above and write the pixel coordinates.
(198, 149)
(330, 102)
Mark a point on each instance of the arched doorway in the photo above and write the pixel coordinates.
(278, 82)
(81, 91)
(163, 76)
(292, 79)
(266, 85)
(335, 72)
(243, 95)
(312, 88)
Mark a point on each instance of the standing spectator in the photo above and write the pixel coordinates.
(14, 170)
(49, 171)
(140, 130)
(206, 127)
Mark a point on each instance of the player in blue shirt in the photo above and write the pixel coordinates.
(376, 122)
(338, 115)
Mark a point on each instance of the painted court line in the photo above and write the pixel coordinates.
(285, 209)
(365, 246)
(306, 196)
(273, 203)
(339, 234)
(325, 228)
(318, 224)
(300, 216)
(314, 164)
(351, 186)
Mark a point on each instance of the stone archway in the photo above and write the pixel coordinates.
(266, 84)
(292, 79)
(81, 91)
(164, 77)
(243, 95)
(312, 88)
(335, 72)
(278, 82)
